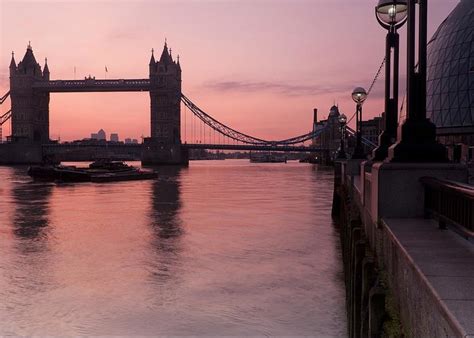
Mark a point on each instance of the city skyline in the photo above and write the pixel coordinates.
(233, 79)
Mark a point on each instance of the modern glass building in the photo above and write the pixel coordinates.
(450, 80)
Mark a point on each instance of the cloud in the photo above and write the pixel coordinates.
(288, 89)
(122, 35)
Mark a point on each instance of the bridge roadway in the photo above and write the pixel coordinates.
(51, 147)
(253, 147)
(93, 85)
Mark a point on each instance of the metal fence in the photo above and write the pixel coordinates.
(451, 203)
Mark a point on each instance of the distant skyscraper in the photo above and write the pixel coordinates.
(101, 135)
(114, 137)
(94, 136)
(128, 140)
(134, 141)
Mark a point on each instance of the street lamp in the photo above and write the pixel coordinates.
(342, 121)
(418, 135)
(359, 95)
(391, 15)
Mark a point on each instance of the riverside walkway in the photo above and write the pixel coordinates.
(409, 268)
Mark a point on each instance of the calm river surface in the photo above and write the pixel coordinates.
(219, 248)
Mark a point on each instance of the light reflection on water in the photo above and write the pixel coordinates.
(219, 248)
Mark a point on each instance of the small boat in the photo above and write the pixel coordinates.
(131, 175)
(267, 158)
(99, 171)
(313, 160)
(109, 165)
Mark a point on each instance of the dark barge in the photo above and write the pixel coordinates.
(99, 171)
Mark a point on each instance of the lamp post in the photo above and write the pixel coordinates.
(342, 121)
(359, 95)
(391, 15)
(418, 135)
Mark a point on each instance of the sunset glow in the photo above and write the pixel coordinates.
(258, 66)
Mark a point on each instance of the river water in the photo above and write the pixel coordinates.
(218, 248)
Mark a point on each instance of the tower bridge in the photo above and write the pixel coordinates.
(31, 86)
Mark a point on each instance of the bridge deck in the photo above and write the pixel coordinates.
(93, 85)
(252, 147)
(247, 147)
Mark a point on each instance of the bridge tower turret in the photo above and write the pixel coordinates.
(46, 70)
(30, 109)
(164, 145)
(13, 65)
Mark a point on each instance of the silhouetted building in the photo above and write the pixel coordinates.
(450, 81)
(94, 136)
(164, 145)
(101, 135)
(330, 138)
(30, 117)
(371, 129)
(114, 137)
(165, 104)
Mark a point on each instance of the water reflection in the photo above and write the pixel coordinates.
(27, 273)
(166, 204)
(219, 248)
(166, 227)
(31, 217)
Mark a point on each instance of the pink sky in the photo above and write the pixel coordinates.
(259, 66)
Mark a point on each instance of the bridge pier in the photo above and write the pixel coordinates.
(18, 153)
(157, 153)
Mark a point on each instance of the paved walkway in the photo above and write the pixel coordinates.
(446, 262)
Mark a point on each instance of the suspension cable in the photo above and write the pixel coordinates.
(207, 120)
(238, 136)
(5, 117)
(4, 97)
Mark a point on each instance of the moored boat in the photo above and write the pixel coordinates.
(267, 158)
(130, 175)
(100, 171)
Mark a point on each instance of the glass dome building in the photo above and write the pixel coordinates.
(450, 78)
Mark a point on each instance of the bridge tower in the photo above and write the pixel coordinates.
(164, 145)
(30, 109)
(29, 112)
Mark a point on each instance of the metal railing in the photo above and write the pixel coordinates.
(450, 203)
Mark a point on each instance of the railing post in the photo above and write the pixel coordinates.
(451, 203)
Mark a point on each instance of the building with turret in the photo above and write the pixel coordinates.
(164, 145)
(165, 76)
(30, 109)
(330, 138)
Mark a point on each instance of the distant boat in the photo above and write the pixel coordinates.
(313, 160)
(99, 171)
(267, 158)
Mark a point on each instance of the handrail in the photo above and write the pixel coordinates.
(451, 203)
